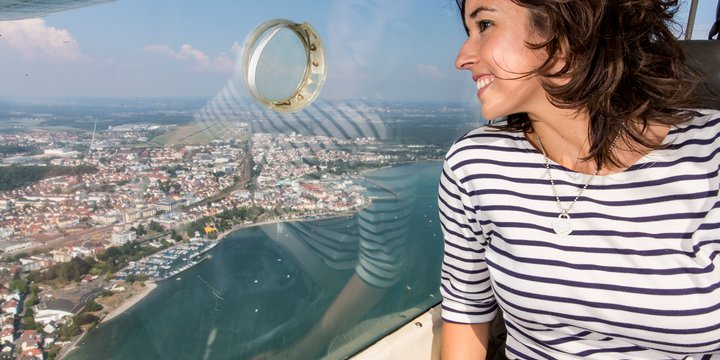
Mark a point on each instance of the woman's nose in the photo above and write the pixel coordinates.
(466, 57)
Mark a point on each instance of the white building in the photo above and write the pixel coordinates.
(47, 315)
(7, 246)
(6, 232)
(107, 218)
(120, 239)
(7, 336)
(53, 311)
(10, 307)
(81, 251)
(61, 256)
(31, 264)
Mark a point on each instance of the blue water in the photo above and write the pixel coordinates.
(265, 287)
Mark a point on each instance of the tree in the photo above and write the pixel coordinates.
(92, 306)
(30, 301)
(130, 278)
(109, 253)
(154, 226)
(85, 318)
(52, 352)
(175, 236)
(35, 276)
(19, 285)
(141, 230)
(28, 322)
(68, 330)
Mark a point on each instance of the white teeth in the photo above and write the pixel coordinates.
(484, 81)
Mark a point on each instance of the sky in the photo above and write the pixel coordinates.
(376, 49)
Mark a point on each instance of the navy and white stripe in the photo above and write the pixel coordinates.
(637, 278)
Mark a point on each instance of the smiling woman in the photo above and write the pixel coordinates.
(495, 51)
(589, 216)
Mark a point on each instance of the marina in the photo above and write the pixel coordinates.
(171, 261)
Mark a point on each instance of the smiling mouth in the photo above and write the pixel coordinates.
(484, 81)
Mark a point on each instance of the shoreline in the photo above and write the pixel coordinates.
(151, 285)
(128, 303)
(385, 167)
(120, 309)
(221, 236)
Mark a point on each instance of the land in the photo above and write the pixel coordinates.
(159, 179)
(118, 303)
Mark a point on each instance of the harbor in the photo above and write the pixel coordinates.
(171, 261)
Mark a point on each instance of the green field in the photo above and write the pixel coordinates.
(197, 133)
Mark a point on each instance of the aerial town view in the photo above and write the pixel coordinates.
(92, 217)
(152, 206)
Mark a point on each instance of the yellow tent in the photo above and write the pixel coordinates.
(210, 229)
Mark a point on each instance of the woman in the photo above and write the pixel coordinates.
(591, 215)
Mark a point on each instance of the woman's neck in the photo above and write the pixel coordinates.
(565, 139)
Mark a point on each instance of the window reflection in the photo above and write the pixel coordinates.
(349, 245)
(362, 262)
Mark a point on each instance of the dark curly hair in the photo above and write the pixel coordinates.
(625, 66)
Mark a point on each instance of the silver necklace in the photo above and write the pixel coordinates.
(562, 225)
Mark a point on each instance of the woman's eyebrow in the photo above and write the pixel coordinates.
(478, 10)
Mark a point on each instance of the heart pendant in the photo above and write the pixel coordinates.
(562, 225)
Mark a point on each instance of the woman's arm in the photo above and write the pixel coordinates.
(465, 341)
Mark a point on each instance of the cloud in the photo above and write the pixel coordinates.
(200, 61)
(33, 39)
(429, 71)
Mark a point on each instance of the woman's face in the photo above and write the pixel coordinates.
(497, 56)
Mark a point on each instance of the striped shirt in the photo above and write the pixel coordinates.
(637, 278)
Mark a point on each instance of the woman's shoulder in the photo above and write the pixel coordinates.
(486, 139)
(704, 120)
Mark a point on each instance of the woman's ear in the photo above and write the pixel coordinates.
(561, 59)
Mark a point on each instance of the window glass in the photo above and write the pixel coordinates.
(150, 208)
(705, 16)
(144, 177)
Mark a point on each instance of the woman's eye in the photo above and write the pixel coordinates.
(483, 24)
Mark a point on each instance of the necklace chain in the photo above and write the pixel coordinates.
(565, 212)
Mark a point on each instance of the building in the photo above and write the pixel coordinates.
(50, 328)
(31, 264)
(10, 307)
(82, 251)
(120, 239)
(11, 246)
(60, 256)
(61, 152)
(7, 332)
(35, 354)
(7, 335)
(132, 215)
(54, 311)
(30, 339)
(170, 205)
(107, 218)
(6, 232)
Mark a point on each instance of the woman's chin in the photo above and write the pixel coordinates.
(489, 115)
